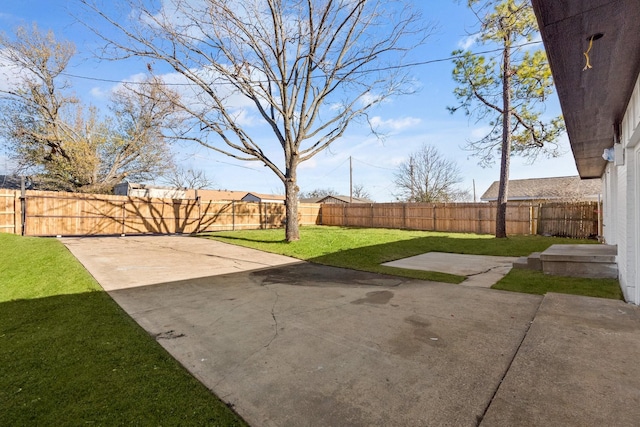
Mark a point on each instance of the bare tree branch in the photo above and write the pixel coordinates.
(303, 68)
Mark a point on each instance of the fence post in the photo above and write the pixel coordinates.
(404, 215)
(17, 215)
(124, 212)
(372, 222)
(199, 204)
(23, 207)
(344, 214)
(531, 219)
(434, 216)
(260, 216)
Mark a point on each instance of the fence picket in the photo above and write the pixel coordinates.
(9, 211)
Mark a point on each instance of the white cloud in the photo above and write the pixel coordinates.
(98, 92)
(176, 16)
(468, 42)
(310, 164)
(394, 124)
(480, 132)
(369, 98)
(242, 117)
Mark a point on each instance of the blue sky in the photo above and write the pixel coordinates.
(407, 121)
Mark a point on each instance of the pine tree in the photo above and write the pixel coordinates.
(508, 93)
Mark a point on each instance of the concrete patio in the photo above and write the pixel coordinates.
(290, 343)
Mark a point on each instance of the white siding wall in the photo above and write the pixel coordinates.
(622, 227)
(623, 212)
(615, 220)
(635, 218)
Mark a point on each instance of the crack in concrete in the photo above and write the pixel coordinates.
(273, 315)
(168, 335)
(480, 418)
(488, 270)
(258, 350)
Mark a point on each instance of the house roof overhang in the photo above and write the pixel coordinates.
(593, 101)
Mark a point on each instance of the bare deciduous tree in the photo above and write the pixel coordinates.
(318, 192)
(50, 133)
(306, 69)
(180, 177)
(428, 177)
(360, 192)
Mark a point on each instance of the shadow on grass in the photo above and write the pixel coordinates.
(365, 249)
(79, 359)
(370, 258)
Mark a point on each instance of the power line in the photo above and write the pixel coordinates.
(334, 169)
(195, 155)
(391, 67)
(373, 166)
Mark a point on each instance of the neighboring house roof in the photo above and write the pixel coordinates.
(259, 197)
(14, 182)
(311, 199)
(134, 189)
(335, 199)
(206, 194)
(566, 187)
(11, 182)
(593, 101)
(149, 190)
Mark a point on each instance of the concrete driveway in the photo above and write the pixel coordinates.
(288, 343)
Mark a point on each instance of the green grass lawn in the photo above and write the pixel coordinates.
(366, 248)
(536, 282)
(71, 356)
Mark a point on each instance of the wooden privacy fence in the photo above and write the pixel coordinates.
(578, 220)
(45, 213)
(70, 214)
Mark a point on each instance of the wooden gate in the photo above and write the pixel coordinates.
(577, 220)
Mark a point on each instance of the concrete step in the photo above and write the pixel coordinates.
(531, 262)
(591, 261)
(534, 262)
(521, 263)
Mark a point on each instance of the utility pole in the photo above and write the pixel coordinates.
(474, 191)
(350, 180)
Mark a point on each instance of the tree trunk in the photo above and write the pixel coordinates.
(291, 189)
(501, 214)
